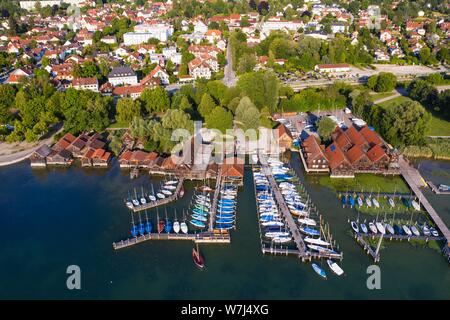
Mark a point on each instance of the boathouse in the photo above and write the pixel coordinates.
(38, 157)
(60, 158)
(284, 137)
(232, 170)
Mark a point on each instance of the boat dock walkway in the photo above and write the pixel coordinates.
(415, 181)
(213, 210)
(376, 194)
(285, 211)
(204, 237)
(368, 248)
(159, 202)
(436, 189)
(400, 237)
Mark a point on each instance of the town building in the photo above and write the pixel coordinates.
(122, 75)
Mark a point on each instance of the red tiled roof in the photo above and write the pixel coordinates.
(376, 153)
(98, 153)
(355, 153)
(355, 137)
(335, 155)
(371, 136)
(126, 156)
(139, 155)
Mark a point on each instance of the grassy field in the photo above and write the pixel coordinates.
(381, 95)
(439, 127)
(367, 183)
(118, 125)
(394, 102)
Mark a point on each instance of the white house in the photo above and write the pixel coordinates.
(200, 27)
(122, 75)
(85, 84)
(199, 69)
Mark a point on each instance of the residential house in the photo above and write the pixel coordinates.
(85, 84)
(122, 75)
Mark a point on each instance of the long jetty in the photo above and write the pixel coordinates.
(298, 239)
(213, 210)
(152, 204)
(415, 180)
(435, 189)
(204, 237)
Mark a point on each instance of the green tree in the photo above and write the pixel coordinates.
(127, 109)
(360, 102)
(7, 96)
(219, 118)
(155, 100)
(325, 128)
(247, 115)
(206, 105)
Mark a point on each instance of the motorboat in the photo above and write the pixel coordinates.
(319, 270)
(199, 217)
(135, 202)
(143, 200)
(171, 182)
(335, 267)
(169, 187)
(273, 234)
(160, 196)
(166, 192)
(272, 223)
(317, 241)
(354, 226)
(152, 198)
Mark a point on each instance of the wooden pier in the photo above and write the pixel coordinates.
(436, 189)
(159, 202)
(368, 248)
(400, 237)
(213, 209)
(415, 181)
(298, 239)
(204, 237)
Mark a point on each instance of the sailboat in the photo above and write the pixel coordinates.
(391, 202)
(415, 231)
(152, 196)
(168, 226)
(415, 205)
(318, 241)
(364, 228)
(380, 227)
(360, 202)
(197, 258)
(134, 229)
(407, 230)
(143, 200)
(160, 222)
(148, 227)
(307, 221)
(372, 227)
(389, 228)
(176, 224)
(135, 200)
(354, 226)
(183, 225)
(335, 267)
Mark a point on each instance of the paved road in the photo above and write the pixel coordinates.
(403, 92)
(229, 78)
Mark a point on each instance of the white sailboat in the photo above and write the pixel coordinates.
(380, 227)
(318, 241)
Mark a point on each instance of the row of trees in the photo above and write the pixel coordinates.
(427, 94)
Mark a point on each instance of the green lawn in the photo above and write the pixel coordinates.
(367, 183)
(118, 125)
(381, 95)
(439, 127)
(394, 102)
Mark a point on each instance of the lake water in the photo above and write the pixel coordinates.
(53, 218)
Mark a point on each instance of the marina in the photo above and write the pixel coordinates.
(279, 218)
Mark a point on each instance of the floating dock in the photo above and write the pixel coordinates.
(153, 204)
(204, 237)
(213, 209)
